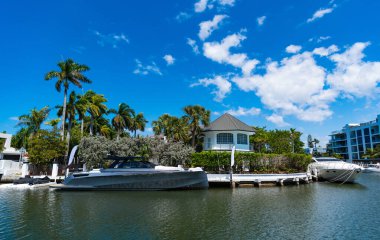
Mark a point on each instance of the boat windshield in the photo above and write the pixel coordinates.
(328, 160)
(129, 162)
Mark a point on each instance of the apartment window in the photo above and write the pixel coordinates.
(359, 133)
(242, 139)
(367, 139)
(352, 134)
(225, 138)
(366, 131)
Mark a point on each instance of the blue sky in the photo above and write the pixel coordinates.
(311, 65)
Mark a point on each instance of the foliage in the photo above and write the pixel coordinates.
(277, 141)
(259, 140)
(122, 120)
(197, 116)
(69, 72)
(138, 122)
(32, 122)
(372, 153)
(255, 162)
(45, 147)
(175, 129)
(2, 142)
(20, 139)
(94, 150)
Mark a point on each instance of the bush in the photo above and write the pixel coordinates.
(255, 162)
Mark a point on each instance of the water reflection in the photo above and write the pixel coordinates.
(318, 210)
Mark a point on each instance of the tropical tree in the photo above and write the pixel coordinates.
(53, 123)
(46, 147)
(122, 119)
(20, 139)
(176, 129)
(69, 72)
(81, 107)
(95, 107)
(161, 126)
(137, 123)
(197, 116)
(260, 139)
(32, 122)
(310, 141)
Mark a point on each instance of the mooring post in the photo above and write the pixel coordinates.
(297, 180)
(280, 182)
(257, 182)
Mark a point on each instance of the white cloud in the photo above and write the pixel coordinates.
(294, 86)
(14, 118)
(293, 49)
(227, 2)
(320, 13)
(223, 86)
(193, 44)
(169, 59)
(182, 16)
(147, 69)
(220, 52)
(244, 111)
(319, 39)
(200, 6)
(261, 20)
(207, 27)
(111, 39)
(323, 52)
(278, 120)
(353, 76)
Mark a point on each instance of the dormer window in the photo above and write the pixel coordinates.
(224, 138)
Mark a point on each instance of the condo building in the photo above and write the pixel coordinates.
(354, 140)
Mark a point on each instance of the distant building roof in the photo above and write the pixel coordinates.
(227, 122)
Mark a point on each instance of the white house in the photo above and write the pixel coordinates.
(225, 132)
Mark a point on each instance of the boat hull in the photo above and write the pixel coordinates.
(151, 180)
(338, 175)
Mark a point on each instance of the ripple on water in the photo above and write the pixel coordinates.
(317, 211)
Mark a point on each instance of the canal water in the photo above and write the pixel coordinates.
(309, 211)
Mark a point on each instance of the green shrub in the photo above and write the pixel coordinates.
(213, 161)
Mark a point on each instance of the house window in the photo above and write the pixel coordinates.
(224, 138)
(242, 139)
(208, 143)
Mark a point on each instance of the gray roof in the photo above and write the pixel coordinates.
(227, 122)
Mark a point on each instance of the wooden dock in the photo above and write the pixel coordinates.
(258, 179)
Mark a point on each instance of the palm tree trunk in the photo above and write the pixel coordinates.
(68, 137)
(81, 127)
(118, 134)
(64, 114)
(135, 133)
(92, 126)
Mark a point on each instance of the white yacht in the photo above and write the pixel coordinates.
(334, 170)
(126, 174)
(10, 161)
(372, 168)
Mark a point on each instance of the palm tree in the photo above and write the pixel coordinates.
(96, 107)
(137, 123)
(161, 125)
(173, 128)
(81, 107)
(70, 72)
(33, 121)
(105, 131)
(123, 118)
(197, 115)
(179, 129)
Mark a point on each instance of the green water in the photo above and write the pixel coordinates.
(310, 211)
